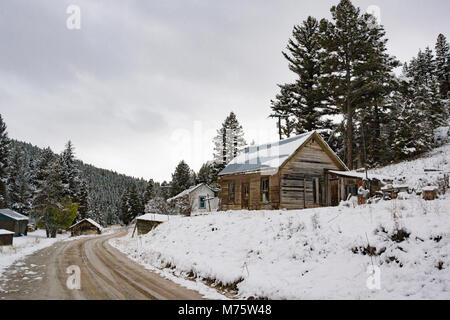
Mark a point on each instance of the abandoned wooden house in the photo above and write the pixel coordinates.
(6, 237)
(198, 198)
(295, 173)
(85, 227)
(13, 221)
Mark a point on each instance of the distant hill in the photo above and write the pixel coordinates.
(105, 186)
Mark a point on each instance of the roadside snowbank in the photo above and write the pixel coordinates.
(26, 245)
(310, 254)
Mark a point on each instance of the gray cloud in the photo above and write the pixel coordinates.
(138, 71)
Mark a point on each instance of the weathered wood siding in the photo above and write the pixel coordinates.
(6, 239)
(145, 226)
(254, 200)
(84, 228)
(299, 173)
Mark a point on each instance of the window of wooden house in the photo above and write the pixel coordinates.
(202, 202)
(352, 189)
(231, 192)
(265, 190)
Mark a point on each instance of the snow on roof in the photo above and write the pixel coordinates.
(429, 188)
(13, 215)
(269, 157)
(361, 175)
(188, 191)
(90, 221)
(156, 217)
(4, 232)
(265, 157)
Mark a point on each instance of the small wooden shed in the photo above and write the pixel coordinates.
(6, 237)
(429, 192)
(13, 221)
(149, 221)
(85, 227)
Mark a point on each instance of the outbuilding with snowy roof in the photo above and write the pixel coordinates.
(85, 227)
(13, 221)
(198, 198)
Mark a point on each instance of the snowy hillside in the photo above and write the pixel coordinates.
(316, 253)
(414, 174)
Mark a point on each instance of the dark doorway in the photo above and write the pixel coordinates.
(334, 190)
(245, 195)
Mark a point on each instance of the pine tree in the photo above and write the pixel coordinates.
(71, 173)
(346, 69)
(181, 179)
(149, 191)
(18, 183)
(443, 65)
(374, 111)
(49, 194)
(283, 109)
(228, 142)
(4, 154)
(426, 97)
(301, 102)
(132, 205)
(83, 201)
(207, 174)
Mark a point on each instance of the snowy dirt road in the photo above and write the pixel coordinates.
(106, 273)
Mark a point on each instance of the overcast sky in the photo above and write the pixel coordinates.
(144, 84)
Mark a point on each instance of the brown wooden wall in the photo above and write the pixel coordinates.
(254, 202)
(84, 228)
(298, 174)
(145, 226)
(6, 239)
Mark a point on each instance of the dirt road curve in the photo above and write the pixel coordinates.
(106, 273)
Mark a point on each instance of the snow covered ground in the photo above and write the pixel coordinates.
(310, 254)
(413, 172)
(323, 253)
(23, 246)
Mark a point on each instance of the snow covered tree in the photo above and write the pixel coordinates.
(283, 107)
(132, 204)
(83, 201)
(4, 154)
(19, 193)
(426, 97)
(70, 173)
(228, 142)
(409, 131)
(49, 193)
(207, 174)
(373, 113)
(181, 179)
(351, 56)
(301, 102)
(149, 191)
(443, 65)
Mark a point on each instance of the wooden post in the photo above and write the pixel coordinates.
(304, 193)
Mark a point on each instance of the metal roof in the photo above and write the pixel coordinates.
(90, 221)
(13, 215)
(265, 157)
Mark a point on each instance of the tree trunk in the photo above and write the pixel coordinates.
(349, 137)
